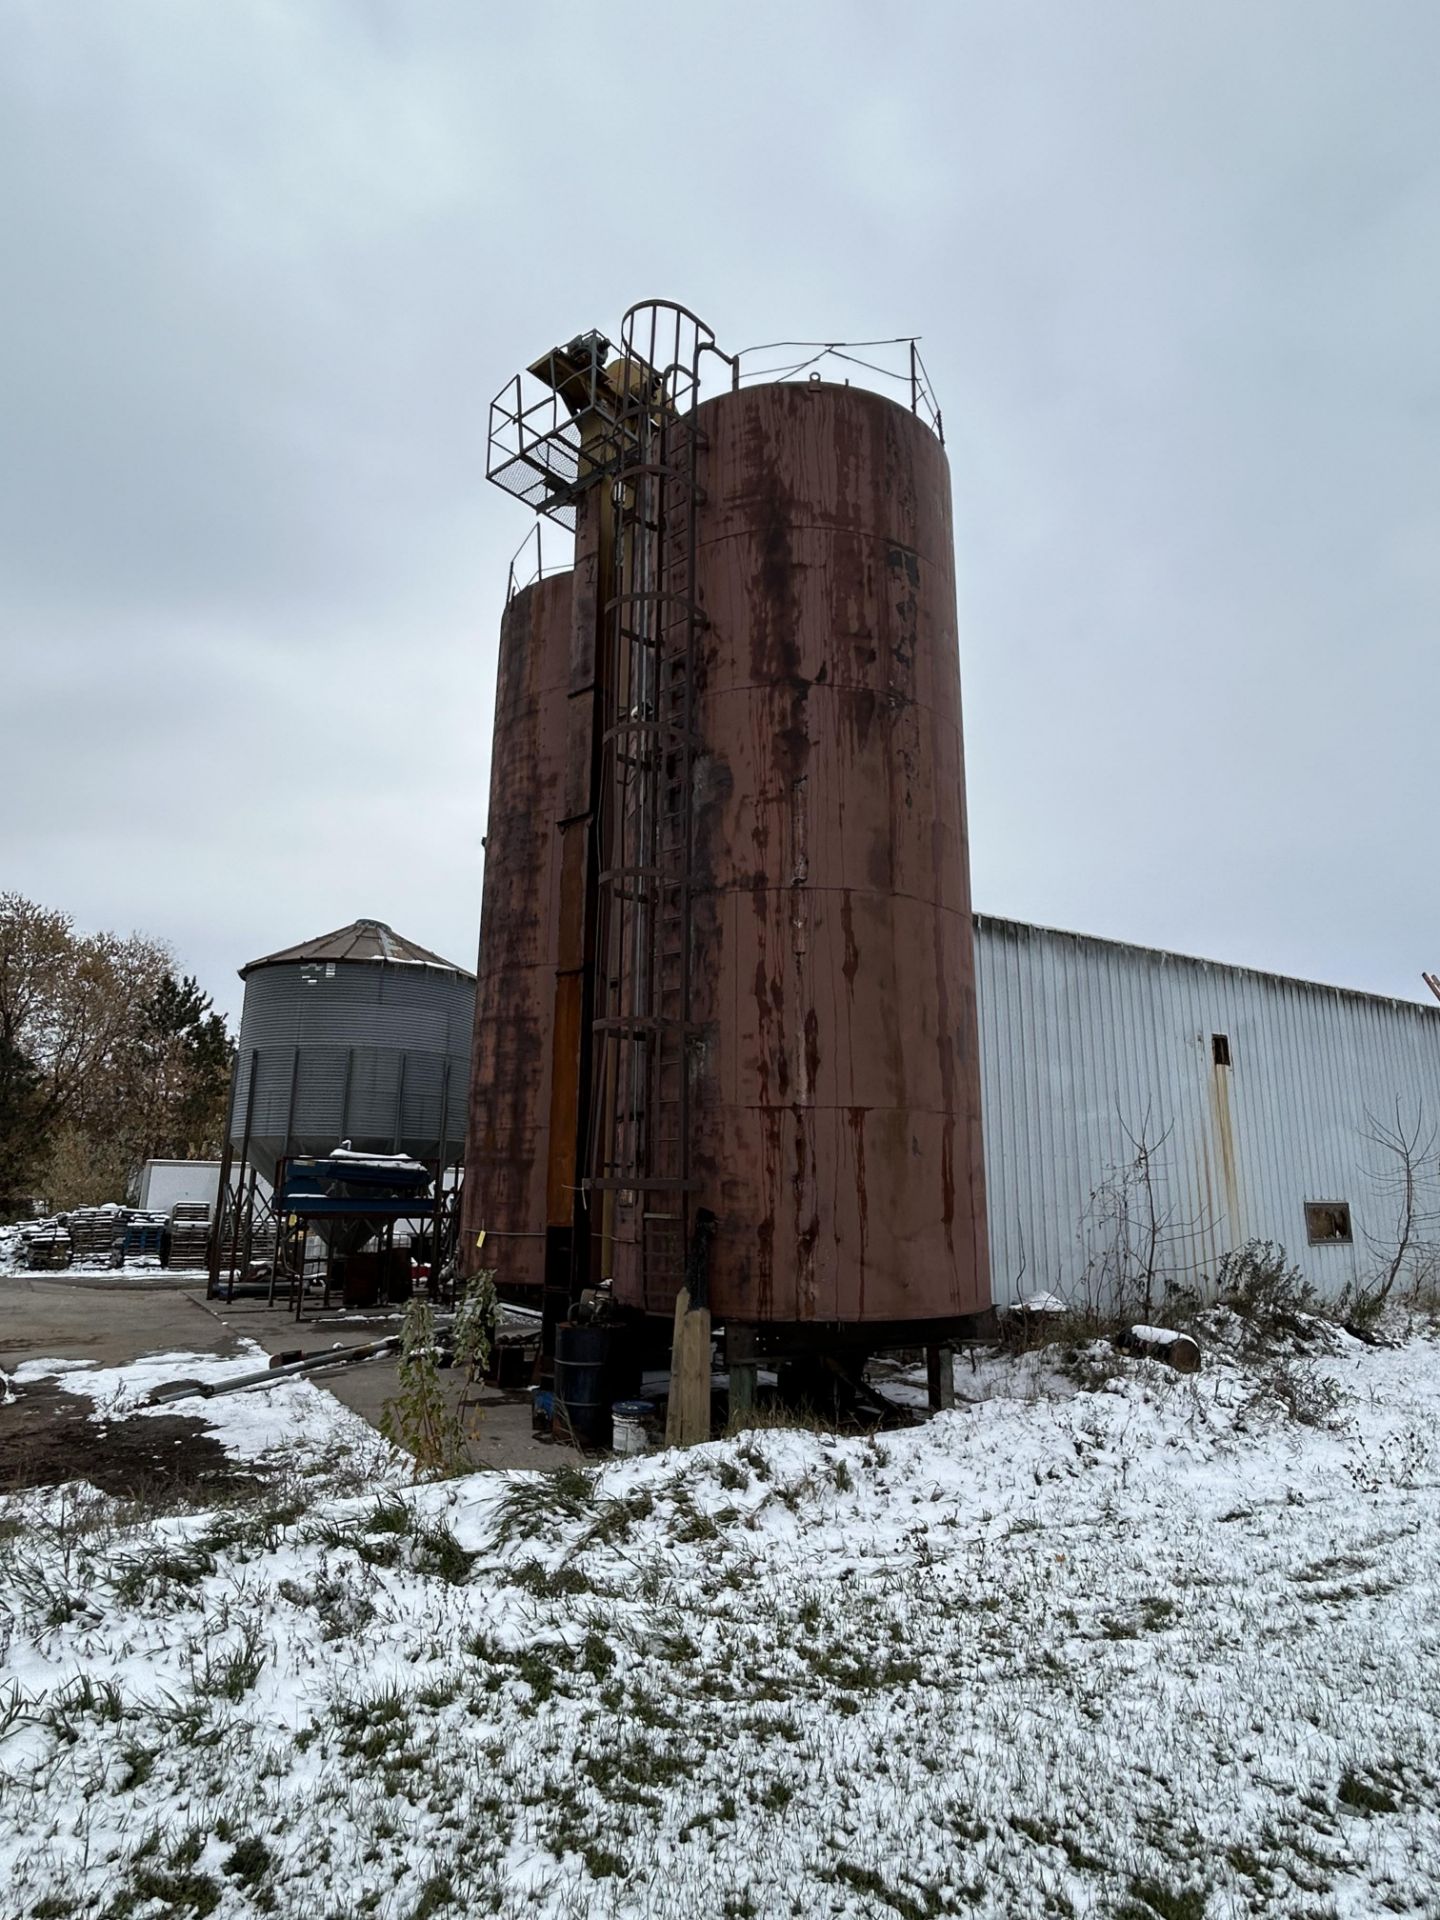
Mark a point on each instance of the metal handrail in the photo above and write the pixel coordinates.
(912, 374)
(540, 571)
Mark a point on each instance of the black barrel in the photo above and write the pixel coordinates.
(584, 1370)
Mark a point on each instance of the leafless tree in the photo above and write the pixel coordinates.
(1405, 1182)
(1143, 1251)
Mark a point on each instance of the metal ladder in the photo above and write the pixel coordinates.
(644, 1024)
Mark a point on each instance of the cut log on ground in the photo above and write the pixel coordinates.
(1177, 1350)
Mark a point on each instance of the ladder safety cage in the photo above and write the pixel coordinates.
(643, 1022)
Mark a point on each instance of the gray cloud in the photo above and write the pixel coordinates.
(1176, 269)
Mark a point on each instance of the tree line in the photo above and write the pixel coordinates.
(109, 1057)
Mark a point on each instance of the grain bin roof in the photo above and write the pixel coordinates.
(362, 940)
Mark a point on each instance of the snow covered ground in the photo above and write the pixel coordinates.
(1152, 1648)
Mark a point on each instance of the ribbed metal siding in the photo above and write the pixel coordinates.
(375, 1044)
(1081, 1038)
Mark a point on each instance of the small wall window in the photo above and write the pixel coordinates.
(1220, 1049)
(1327, 1220)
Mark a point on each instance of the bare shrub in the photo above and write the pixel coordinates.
(1142, 1259)
(1274, 1304)
(1311, 1399)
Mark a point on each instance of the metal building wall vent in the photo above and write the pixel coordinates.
(1327, 1221)
(1220, 1049)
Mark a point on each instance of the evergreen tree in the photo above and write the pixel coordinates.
(24, 1133)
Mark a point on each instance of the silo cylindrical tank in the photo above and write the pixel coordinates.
(835, 1090)
(507, 1156)
(358, 1035)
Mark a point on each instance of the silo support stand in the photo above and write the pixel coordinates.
(940, 1377)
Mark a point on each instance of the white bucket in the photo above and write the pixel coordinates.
(627, 1420)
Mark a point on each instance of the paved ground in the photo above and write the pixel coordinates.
(42, 1319)
(72, 1318)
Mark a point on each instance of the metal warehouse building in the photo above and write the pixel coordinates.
(1256, 1095)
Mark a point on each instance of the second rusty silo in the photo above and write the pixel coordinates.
(834, 1083)
(507, 1173)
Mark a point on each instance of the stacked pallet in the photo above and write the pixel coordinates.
(144, 1240)
(189, 1234)
(97, 1235)
(47, 1247)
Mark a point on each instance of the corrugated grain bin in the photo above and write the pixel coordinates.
(359, 1035)
(836, 1095)
(507, 1156)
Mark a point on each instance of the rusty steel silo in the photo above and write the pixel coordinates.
(508, 1139)
(835, 1091)
(761, 963)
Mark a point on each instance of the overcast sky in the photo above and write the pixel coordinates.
(1177, 270)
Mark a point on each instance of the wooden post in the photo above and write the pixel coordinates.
(687, 1418)
(741, 1347)
(940, 1377)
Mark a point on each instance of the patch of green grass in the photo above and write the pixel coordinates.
(1080, 1856)
(1149, 1898)
(231, 1675)
(257, 1528)
(377, 1728)
(921, 1903)
(248, 1861)
(772, 1416)
(965, 1826)
(435, 1551)
(537, 1504)
(380, 1549)
(170, 1567)
(614, 1519)
(84, 1695)
(1042, 1832)
(1247, 1862)
(1365, 1794)
(596, 1655)
(603, 1864)
(853, 1672)
(1331, 1566)
(536, 1671)
(437, 1893)
(178, 1896)
(690, 1525)
(188, 1849)
(138, 1763)
(551, 1583)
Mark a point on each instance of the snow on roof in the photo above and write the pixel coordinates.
(362, 940)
